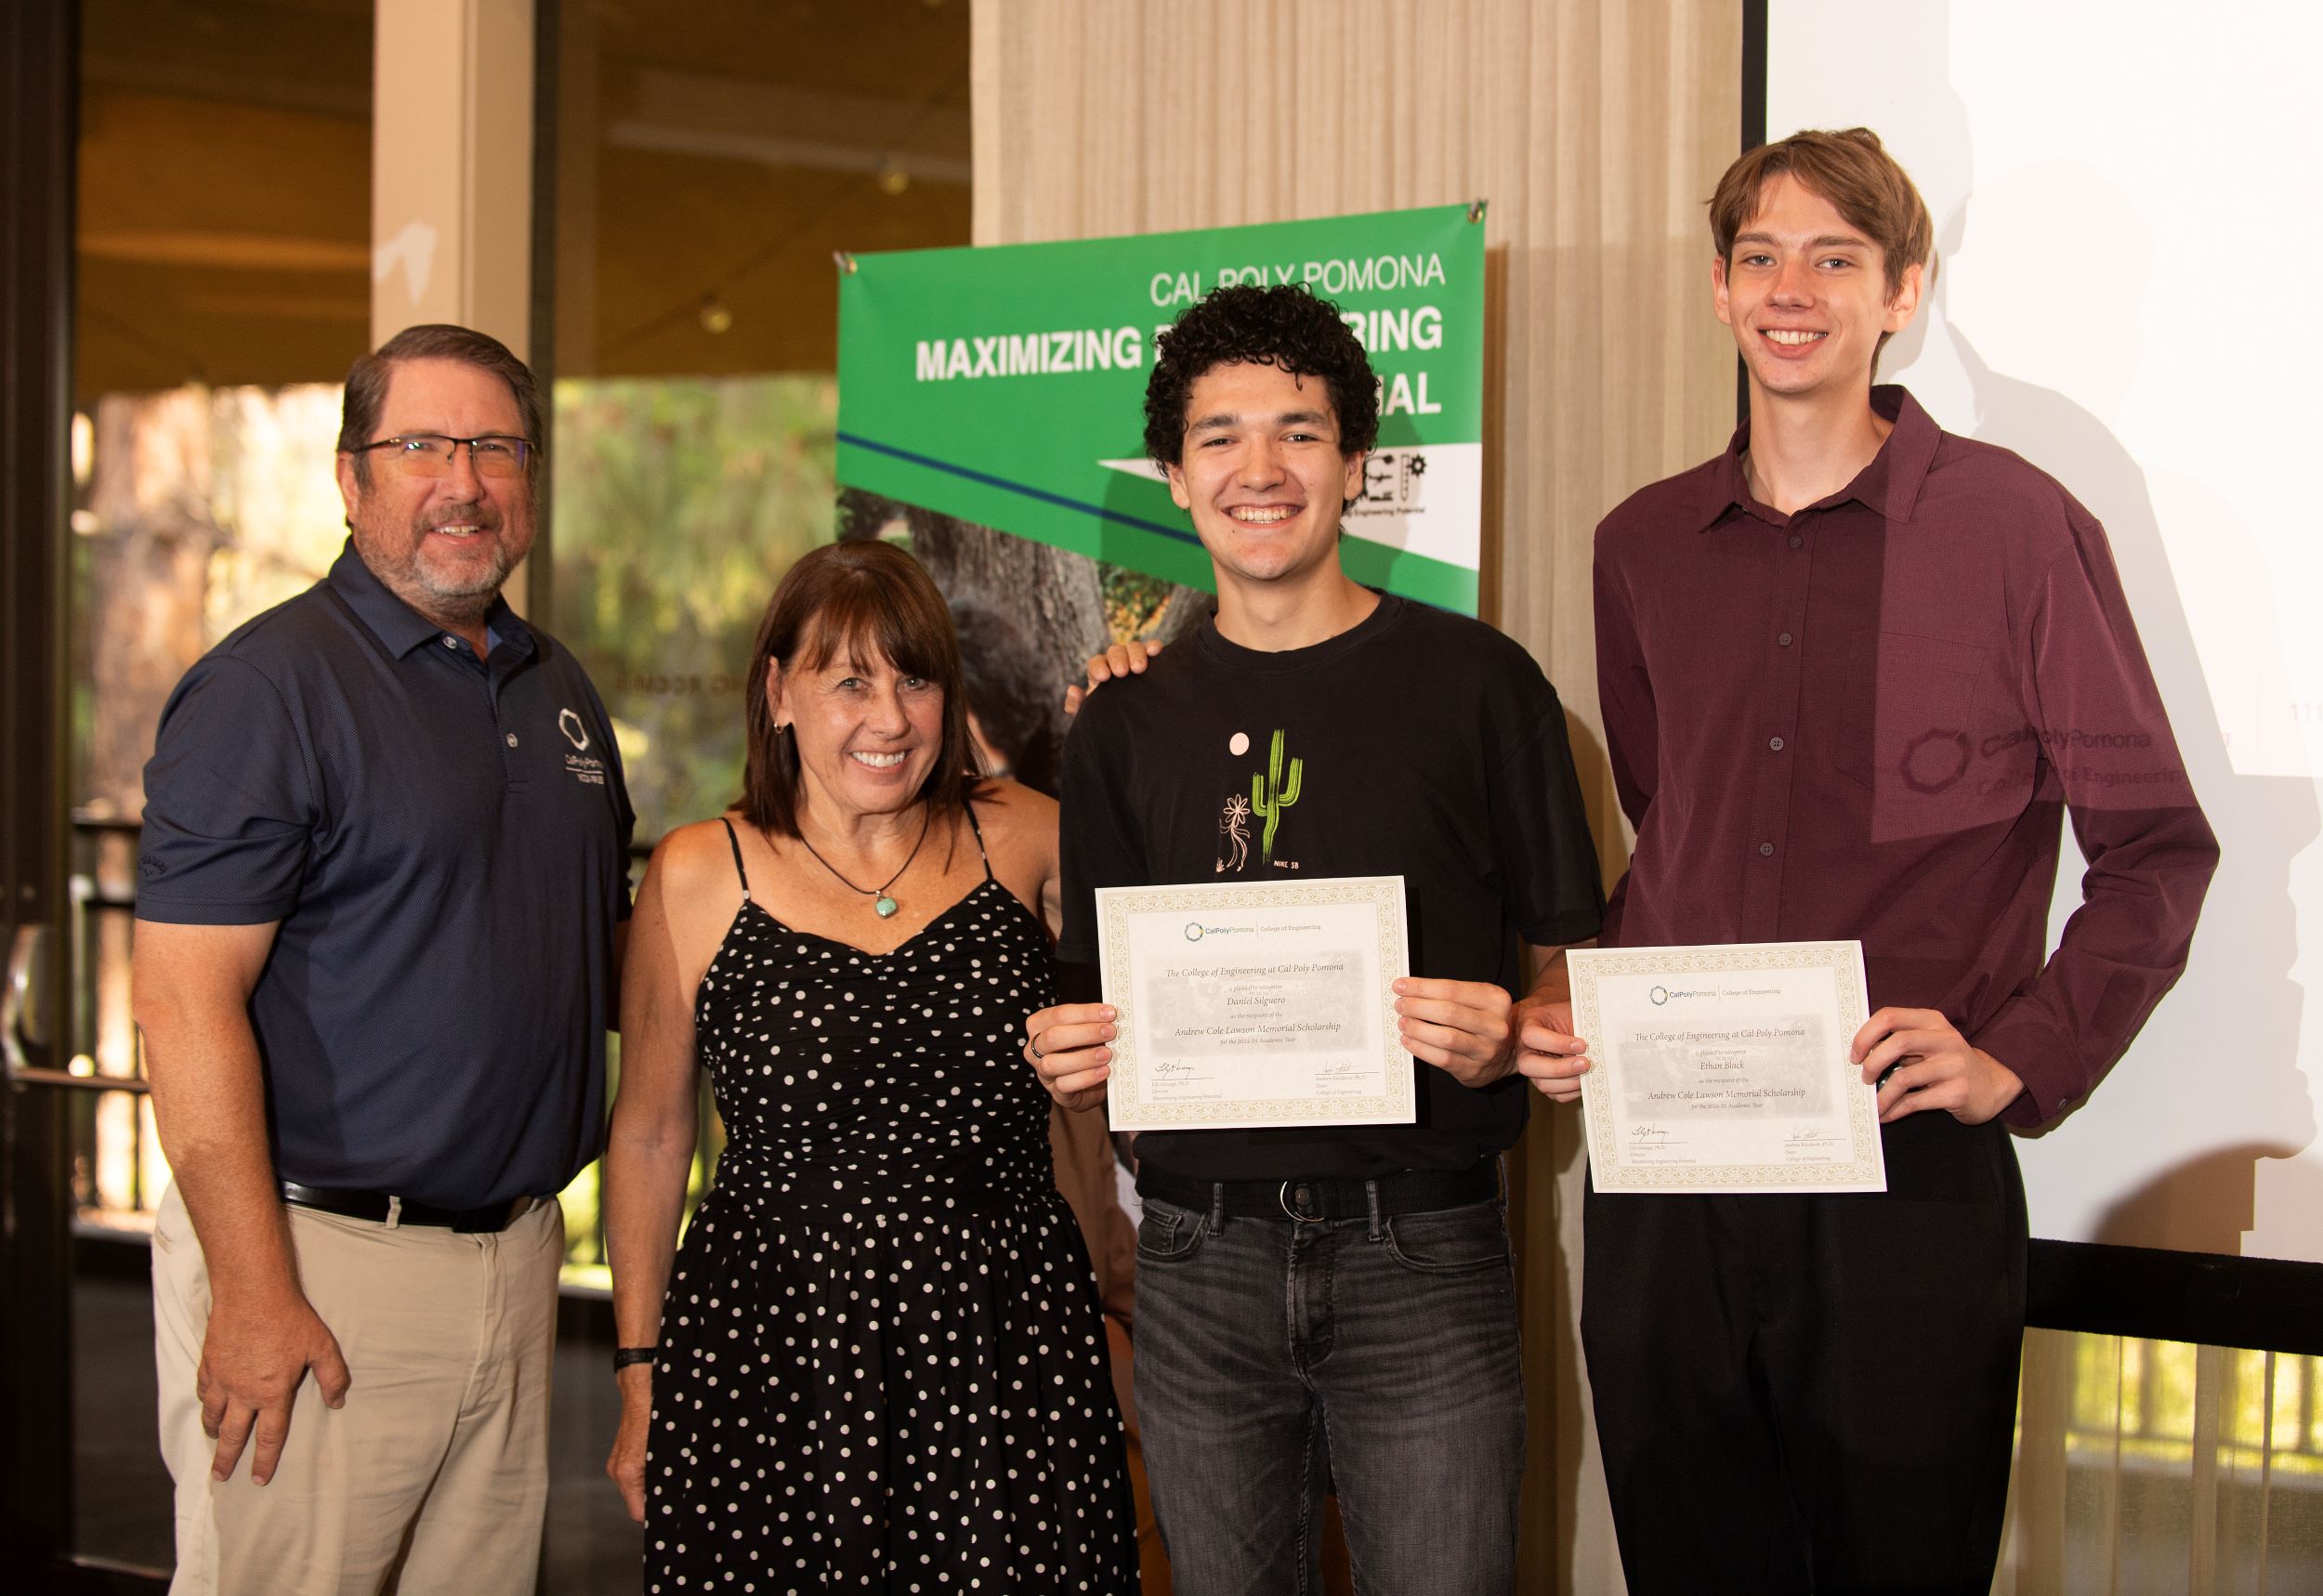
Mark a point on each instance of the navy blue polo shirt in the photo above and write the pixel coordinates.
(444, 839)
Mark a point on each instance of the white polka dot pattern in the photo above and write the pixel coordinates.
(884, 1367)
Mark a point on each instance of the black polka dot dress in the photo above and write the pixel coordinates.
(883, 1366)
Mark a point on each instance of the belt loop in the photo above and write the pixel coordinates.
(395, 1211)
(1371, 1200)
(1217, 1208)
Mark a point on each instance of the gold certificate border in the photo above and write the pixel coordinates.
(1384, 895)
(1843, 960)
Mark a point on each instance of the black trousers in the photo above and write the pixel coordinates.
(1815, 1394)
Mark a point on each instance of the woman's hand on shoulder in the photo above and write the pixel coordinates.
(1128, 658)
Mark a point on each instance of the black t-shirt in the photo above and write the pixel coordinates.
(1431, 746)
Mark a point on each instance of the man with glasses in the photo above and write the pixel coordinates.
(382, 882)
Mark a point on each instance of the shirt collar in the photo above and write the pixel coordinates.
(396, 623)
(1889, 486)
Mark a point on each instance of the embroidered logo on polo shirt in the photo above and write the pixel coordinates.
(583, 766)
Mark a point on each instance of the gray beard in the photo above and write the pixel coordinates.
(456, 608)
(460, 604)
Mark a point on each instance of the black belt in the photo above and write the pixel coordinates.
(1311, 1202)
(391, 1212)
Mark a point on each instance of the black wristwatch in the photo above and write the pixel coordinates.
(624, 1356)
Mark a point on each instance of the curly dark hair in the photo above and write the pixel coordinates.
(1285, 326)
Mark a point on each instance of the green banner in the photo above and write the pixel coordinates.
(1005, 386)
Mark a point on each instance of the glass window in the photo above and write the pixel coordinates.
(706, 174)
(223, 287)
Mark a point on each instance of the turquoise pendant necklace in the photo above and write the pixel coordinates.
(881, 904)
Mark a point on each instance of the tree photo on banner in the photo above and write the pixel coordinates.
(1002, 390)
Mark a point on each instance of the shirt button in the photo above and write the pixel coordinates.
(451, 642)
(1784, 638)
(512, 740)
(1767, 850)
(1773, 742)
(1797, 540)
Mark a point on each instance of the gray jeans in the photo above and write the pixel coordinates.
(1278, 1360)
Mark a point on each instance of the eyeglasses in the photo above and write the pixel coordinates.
(431, 453)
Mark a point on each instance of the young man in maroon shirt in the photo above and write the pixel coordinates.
(1854, 672)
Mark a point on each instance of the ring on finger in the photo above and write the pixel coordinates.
(1035, 1045)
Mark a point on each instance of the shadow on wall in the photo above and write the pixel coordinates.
(2203, 1205)
(2215, 1076)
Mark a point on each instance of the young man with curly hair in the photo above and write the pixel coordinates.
(1853, 671)
(1326, 1307)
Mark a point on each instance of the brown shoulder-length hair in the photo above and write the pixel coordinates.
(869, 600)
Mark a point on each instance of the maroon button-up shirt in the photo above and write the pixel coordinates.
(1866, 720)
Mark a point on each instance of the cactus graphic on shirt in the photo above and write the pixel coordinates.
(1272, 793)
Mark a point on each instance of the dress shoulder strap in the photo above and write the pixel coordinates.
(979, 842)
(735, 842)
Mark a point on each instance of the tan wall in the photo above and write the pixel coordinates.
(1595, 128)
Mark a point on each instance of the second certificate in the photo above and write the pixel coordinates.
(1246, 1006)
(1725, 1069)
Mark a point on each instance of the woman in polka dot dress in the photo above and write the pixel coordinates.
(876, 1362)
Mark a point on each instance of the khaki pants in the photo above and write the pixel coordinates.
(434, 1476)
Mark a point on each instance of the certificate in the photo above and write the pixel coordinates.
(1251, 1005)
(1725, 1069)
